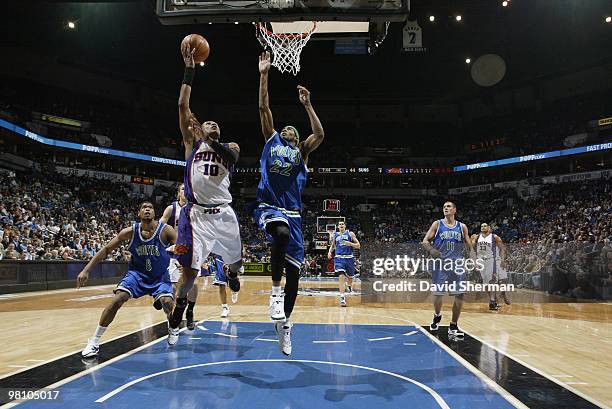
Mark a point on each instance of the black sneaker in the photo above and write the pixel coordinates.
(232, 279)
(493, 306)
(434, 324)
(177, 314)
(190, 321)
(454, 333)
(349, 289)
(157, 304)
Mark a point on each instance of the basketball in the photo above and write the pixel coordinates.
(200, 44)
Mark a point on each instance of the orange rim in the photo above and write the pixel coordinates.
(285, 35)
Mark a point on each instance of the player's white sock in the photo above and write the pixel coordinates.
(98, 334)
(276, 290)
(224, 306)
(438, 315)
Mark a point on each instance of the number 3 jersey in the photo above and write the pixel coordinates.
(283, 174)
(207, 176)
(149, 256)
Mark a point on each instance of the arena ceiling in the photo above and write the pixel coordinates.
(536, 38)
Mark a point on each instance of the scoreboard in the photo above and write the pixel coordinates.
(331, 205)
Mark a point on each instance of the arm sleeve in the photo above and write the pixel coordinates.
(230, 155)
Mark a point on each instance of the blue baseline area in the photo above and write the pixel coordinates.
(238, 365)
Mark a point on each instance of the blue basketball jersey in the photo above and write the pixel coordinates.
(449, 240)
(215, 264)
(149, 257)
(343, 249)
(283, 174)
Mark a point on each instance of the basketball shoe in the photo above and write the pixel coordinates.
(90, 350)
(277, 307)
(283, 330)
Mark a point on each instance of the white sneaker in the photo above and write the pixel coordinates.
(234, 297)
(90, 350)
(277, 307)
(283, 330)
(224, 311)
(173, 335)
(455, 334)
(343, 301)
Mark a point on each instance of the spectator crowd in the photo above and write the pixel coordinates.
(565, 231)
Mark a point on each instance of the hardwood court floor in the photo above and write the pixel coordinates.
(571, 342)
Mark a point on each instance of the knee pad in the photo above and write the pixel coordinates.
(280, 233)
(236, 267)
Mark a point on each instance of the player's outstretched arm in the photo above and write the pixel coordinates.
(316, 138)
(124, 235)
(167, 215)
(429, 237)
(265, 114)
(185, 114)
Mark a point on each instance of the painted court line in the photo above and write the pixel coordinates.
(42, 362)
(540, 372)
(266, 339)
(97, 367)
(492, 384)
(226, 335)
(328, 342)
(407, 334)
(202, 327)
(380, 339)
(426, 388)
(409, 343)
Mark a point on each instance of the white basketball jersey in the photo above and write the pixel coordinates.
(177, 213)
(207, 178)
(486, 247)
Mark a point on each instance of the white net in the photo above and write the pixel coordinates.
(286, 47)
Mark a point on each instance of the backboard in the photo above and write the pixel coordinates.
(231, 11)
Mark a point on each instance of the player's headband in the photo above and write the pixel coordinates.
(297, 134)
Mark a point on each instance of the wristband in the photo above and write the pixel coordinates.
(188, 76)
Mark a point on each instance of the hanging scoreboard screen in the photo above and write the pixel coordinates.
(331, 205)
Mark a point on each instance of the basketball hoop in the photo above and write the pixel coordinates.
(286, 47)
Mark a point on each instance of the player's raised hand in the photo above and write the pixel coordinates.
(264, 62)
(81, 279)
(188, 56)
(304, 95)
